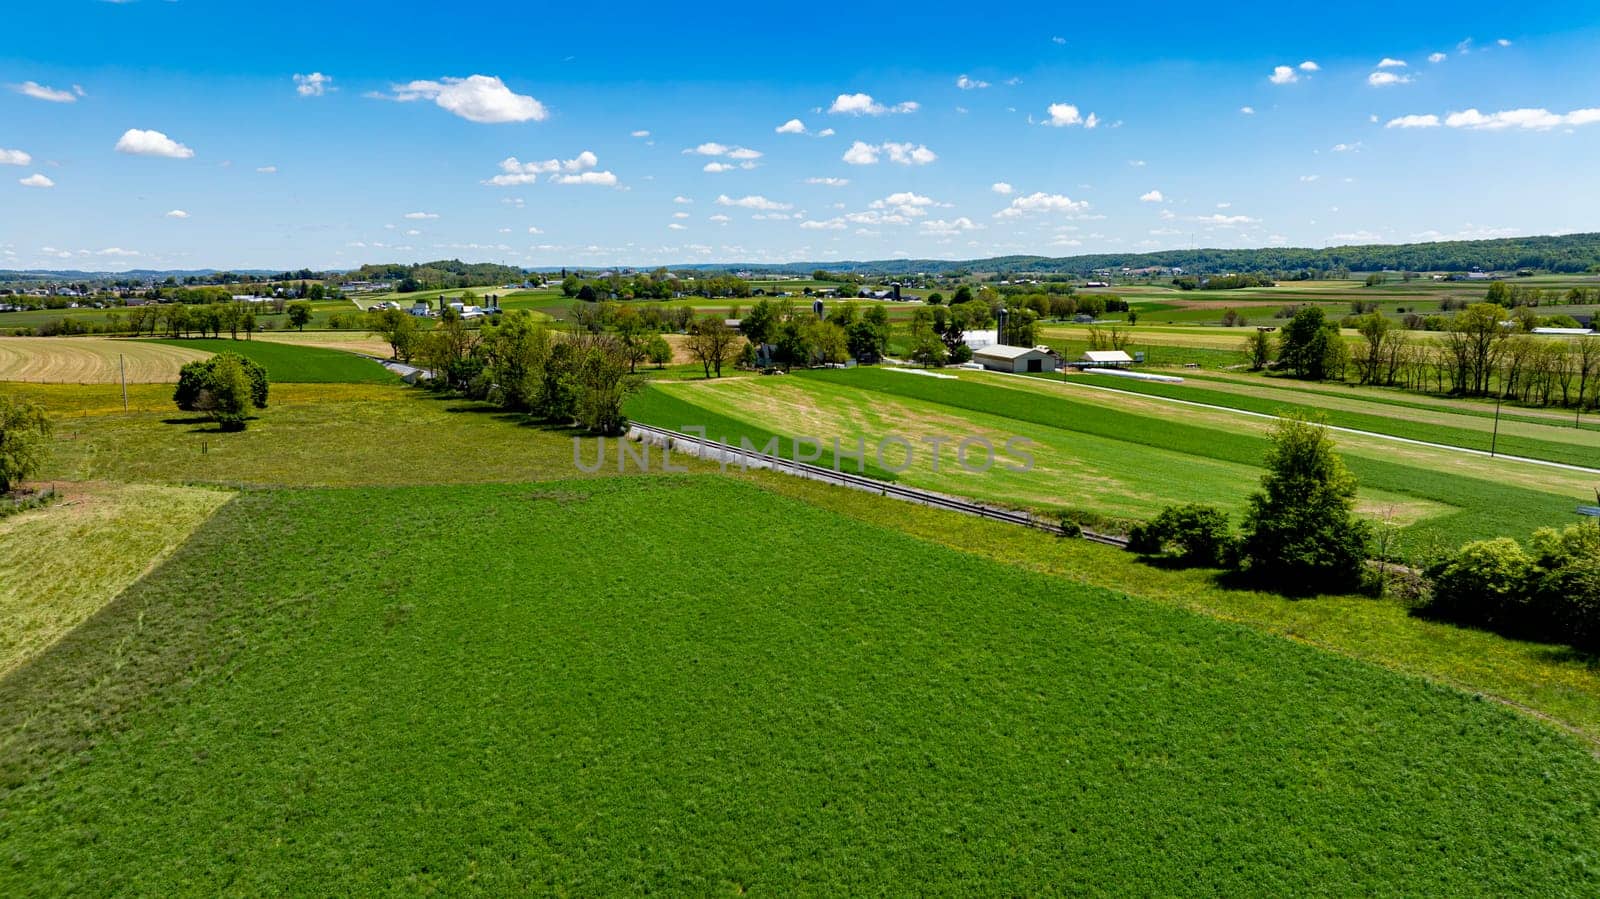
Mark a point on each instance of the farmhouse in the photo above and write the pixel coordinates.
(1016, 358)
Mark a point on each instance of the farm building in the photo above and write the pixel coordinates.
(1106, 359)
(1016, 358)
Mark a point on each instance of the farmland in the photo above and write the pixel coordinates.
(91, 360)
(831, 730)
(1099, 453)
(536, 680)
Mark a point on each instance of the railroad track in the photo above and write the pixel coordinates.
(745, 458)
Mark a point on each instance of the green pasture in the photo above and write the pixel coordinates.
(295, 364)
(662, 685)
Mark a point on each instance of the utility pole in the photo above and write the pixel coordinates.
(122, 366)
(1495, 440)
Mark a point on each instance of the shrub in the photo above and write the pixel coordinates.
(1550, 591)
(1193, 533)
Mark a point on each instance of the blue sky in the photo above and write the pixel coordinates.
(155, 134)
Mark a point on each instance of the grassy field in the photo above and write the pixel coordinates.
(100, 540)
(311, 435)
(293, 705)
(1548, 441)
(296, 363)
(1106, 454)
(91, 360)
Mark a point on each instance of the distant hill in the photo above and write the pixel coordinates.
(1564, 253)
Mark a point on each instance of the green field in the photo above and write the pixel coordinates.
(296, 364)
(1102, 454)
(293, 705)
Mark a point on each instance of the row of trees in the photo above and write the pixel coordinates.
(787, 335)
(519, 364)
(1476, 355)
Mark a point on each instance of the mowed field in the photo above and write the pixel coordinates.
(91, 360)
(624, 696)
(1105, 453)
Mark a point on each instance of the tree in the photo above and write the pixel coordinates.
(1258, 349)
(299, 314)
(603, 383)
(24, 441)
(658, 350)
(515, 351)
(712, 343)
(195, 377)
(225, 392)
(586, 293)
(398, 328)
(963, 294)
(1300, 531)
(1304, 345)
(759, 326)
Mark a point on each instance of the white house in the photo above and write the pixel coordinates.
(1016, 358)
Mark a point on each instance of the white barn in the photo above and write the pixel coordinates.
(1016, 358)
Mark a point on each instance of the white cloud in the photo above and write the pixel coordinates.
(1310, 66)
(680, 215)
(1539, 119)
(1247, 110)
(826, 132)
(1283, 75)
(1414, 121)
(421, 216)
(674, 226)
(1389, 62)
(1137, 163)
(598, 179)
(312, 85)
(1042, 203)
(514, 171)
(36, 180)
(716, 167)
(834, 224)
(1525, 119)
(138, 142)
(1063, 115)
(970, 84)
(1347, 148)
(754, 202)
(1225, 221)
(177, 214)
(863, 104)
(412, 232)
(682, 200)
(1001, 187)
(640, 133)
(484, 99)
(1437, 57)
(955, 226)
(40, 92)
(720, 219)
(268, 170)
(829, 182)
(1306, 179)
(1153, 196)
(1058, 40)
(14, 157)
(793, 126)
(906, 203)
(743, 153)
(1384, 79)
(1503, 42)
(709, 148)
(861, 153)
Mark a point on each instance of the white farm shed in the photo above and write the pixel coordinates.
(1106, 359)
(1015, 358)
